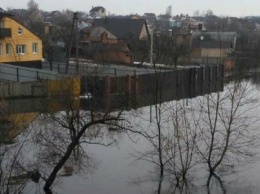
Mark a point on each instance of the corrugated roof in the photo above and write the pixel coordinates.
(214, 39)
(122, 28)
(224, 36)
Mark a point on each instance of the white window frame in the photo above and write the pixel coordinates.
(21, 49)
(20, 31)
(8, 49)
(35, 48)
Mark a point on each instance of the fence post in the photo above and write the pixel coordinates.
(17, 74)
(136, 84)
(128, 84)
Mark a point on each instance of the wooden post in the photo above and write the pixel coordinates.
(17, 74)
(136, 89)
(199, 81)
(136, 85)
(128, 84)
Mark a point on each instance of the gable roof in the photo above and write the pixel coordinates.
(8, 15)
(214, 39)
(96, 9)
(223, 36)
(4, 14)
(120, 46)
(97, 32)
(122, 28)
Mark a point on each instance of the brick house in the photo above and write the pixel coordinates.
(110, 39)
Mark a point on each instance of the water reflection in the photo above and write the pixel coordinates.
(171, 141)
(215, 184)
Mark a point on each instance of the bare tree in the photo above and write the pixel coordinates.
(52, 146)
(226, 134)
(168, 49)
(67, 130)
(170, 133)
(182, 144)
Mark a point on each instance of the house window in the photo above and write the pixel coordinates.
(1, 49)
(8, 49)
(20, 31)
(35, 48)
(20, 49)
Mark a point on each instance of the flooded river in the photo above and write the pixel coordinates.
(163, 148)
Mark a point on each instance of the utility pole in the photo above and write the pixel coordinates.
(75, 18)
(151, 49)
(151, 63)
(73, 30)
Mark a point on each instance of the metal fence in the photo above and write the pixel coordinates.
(23, 74)
(92, 69)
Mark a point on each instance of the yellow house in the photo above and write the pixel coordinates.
(18, 45)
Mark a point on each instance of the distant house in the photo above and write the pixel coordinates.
(18, 45)
(150, 18)
(135, 17)
(175, 23)
(101, 45)
(163, 23)
(214, 44)
(192, 25)
(111, 39)
(98, 12)
(124, 29)
(117, 53)
(52, 17)
(149, 15)
(212, 47)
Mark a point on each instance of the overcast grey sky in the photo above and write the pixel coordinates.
(219, 7)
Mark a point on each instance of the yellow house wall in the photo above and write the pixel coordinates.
(26, 38)
(19, 123)
(65, 87)
(214, 52)
(66, 90)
